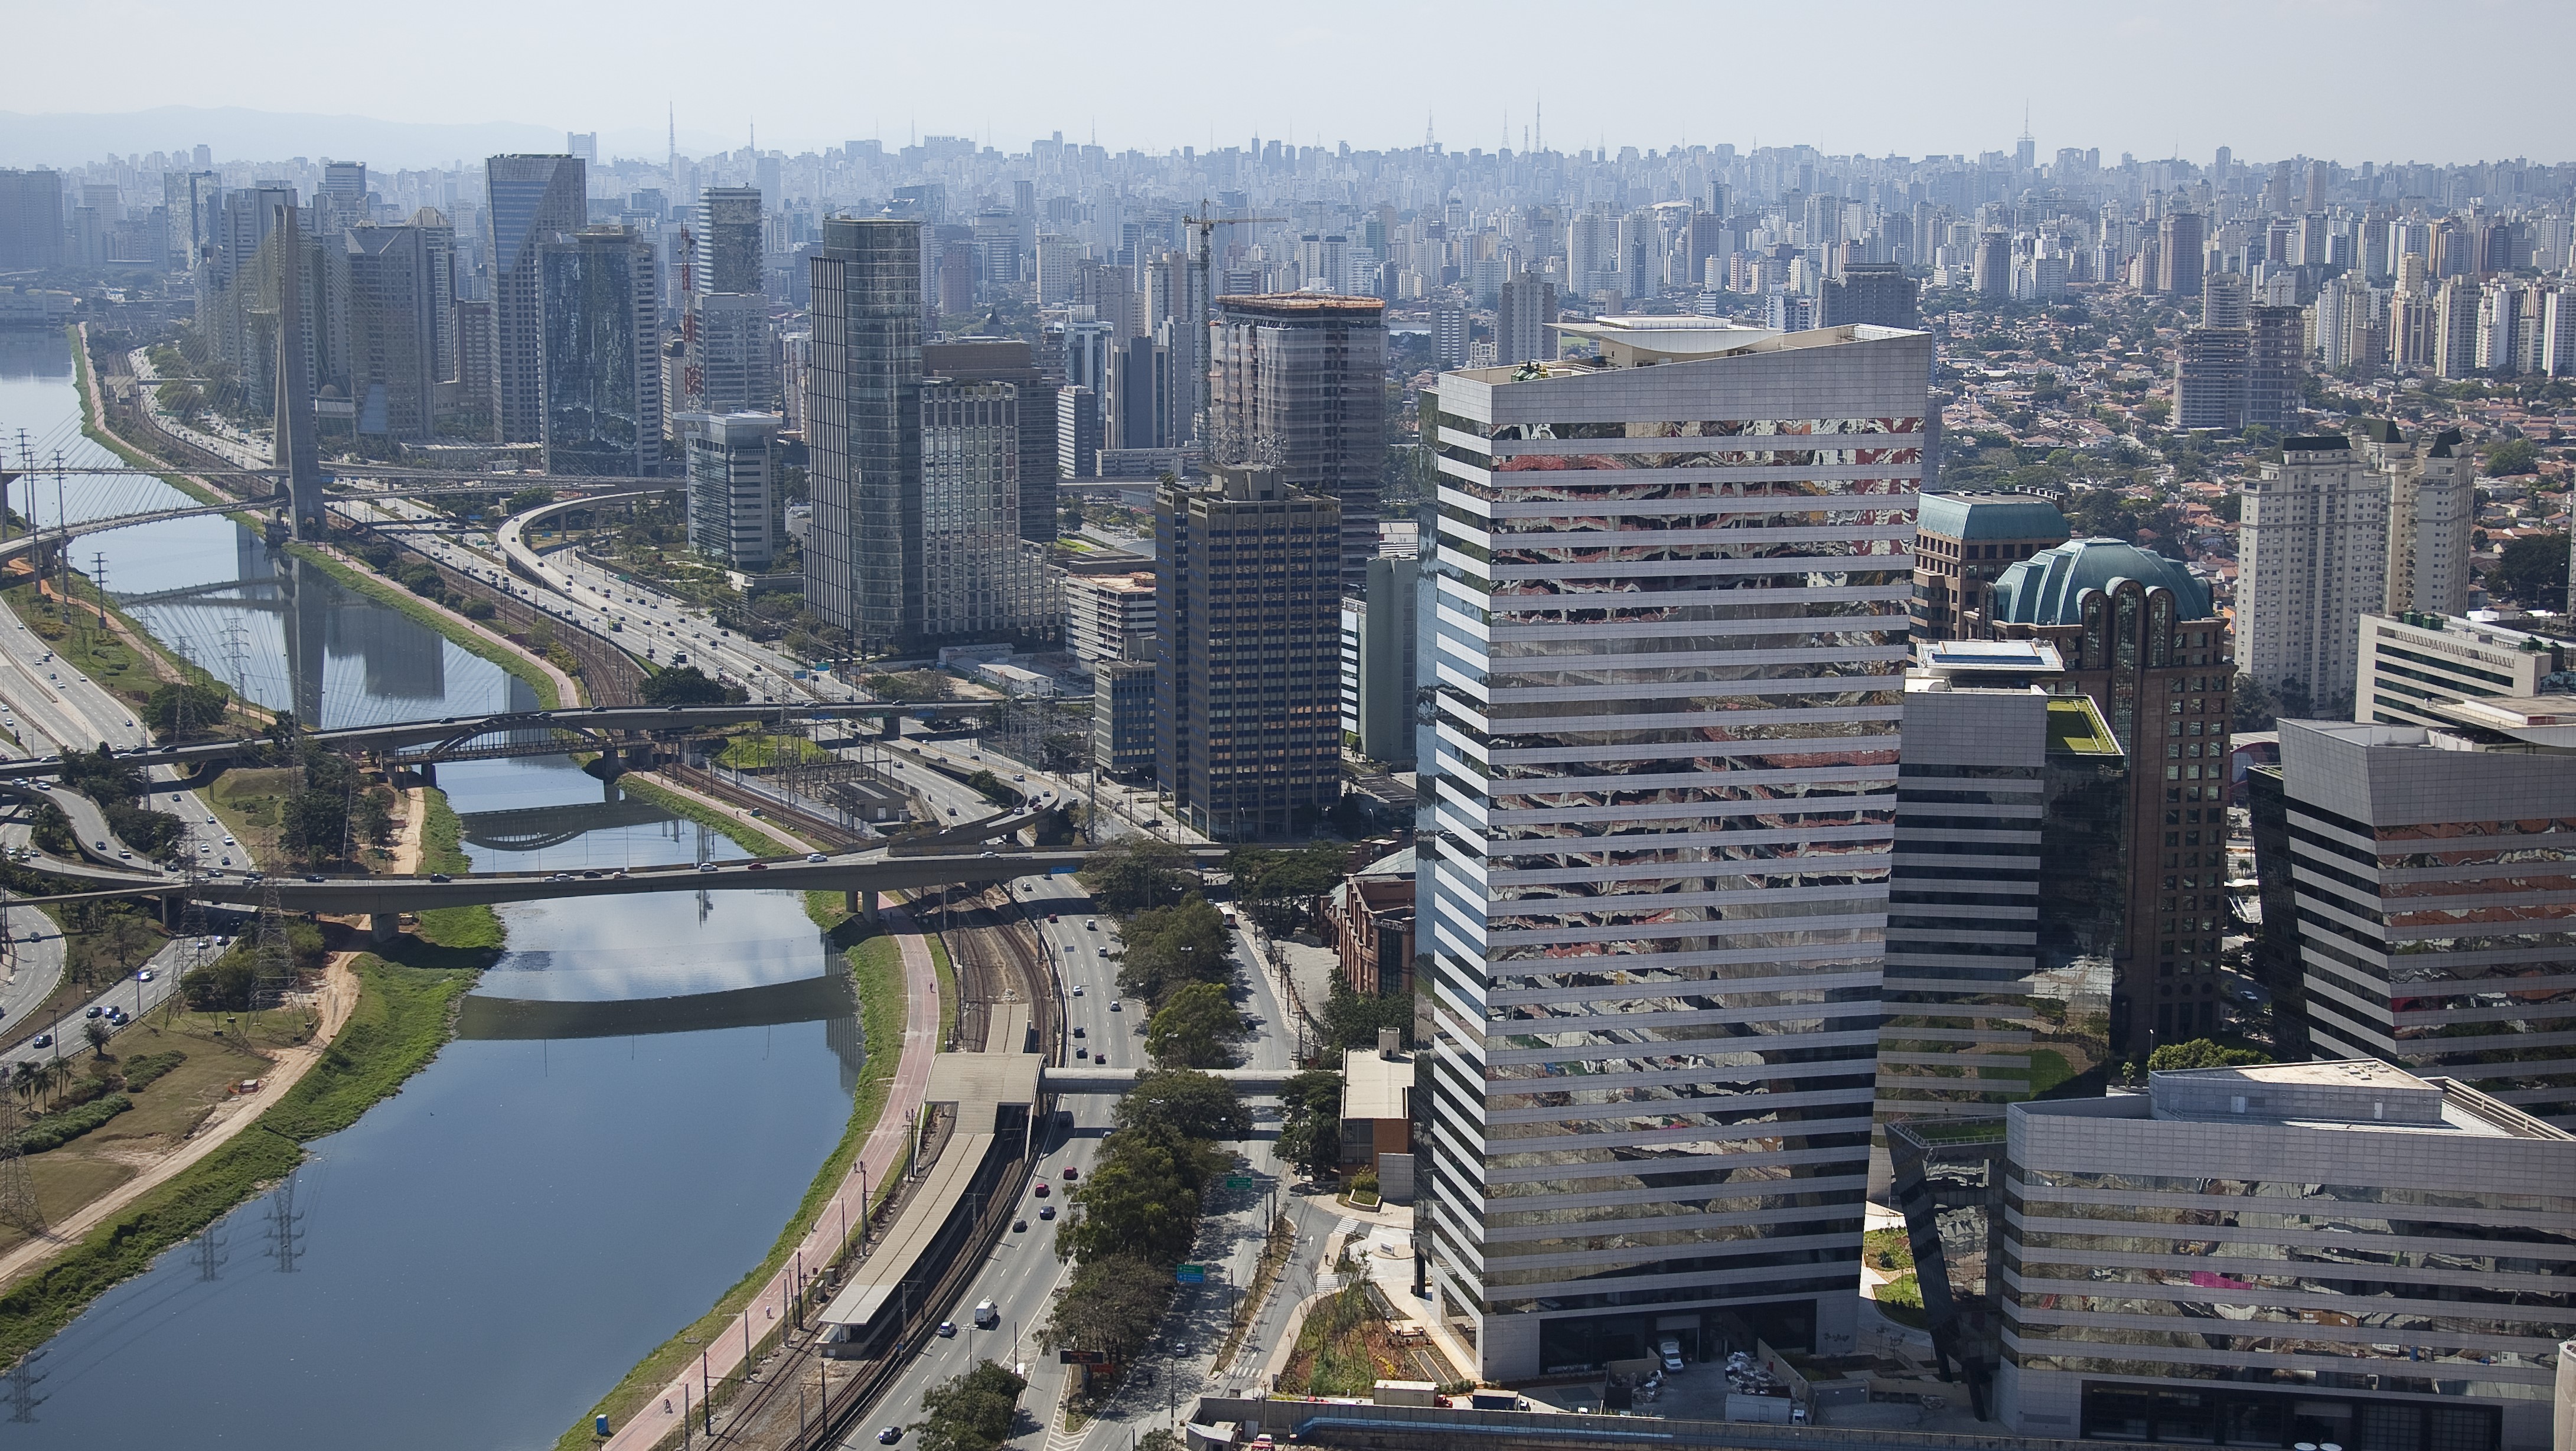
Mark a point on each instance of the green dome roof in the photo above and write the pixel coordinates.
(2043, 589)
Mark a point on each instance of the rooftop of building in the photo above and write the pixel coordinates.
(2046, 588)
(2076, 727)
(1638, 342)
(1136, 583)
(1988, 515)
(2362, 1095)
(1376, 1085)
(1303, 304)
(2316, 443)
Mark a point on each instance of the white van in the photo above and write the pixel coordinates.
(986, 1315)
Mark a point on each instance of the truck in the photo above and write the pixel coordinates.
(986, 1315)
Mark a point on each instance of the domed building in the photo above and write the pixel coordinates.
(2137, 634)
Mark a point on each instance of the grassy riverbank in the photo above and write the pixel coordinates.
(94, 428)
(400, 1022)
(395, 597)
(474, 926)
(876, 967)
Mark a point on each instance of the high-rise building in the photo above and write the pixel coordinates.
(2181, 253)
(1122, 718)
(979, 580)
(394, 320)
(862, 564)
(1962, 544)
(2210, 368)
(2416, 663)
(1627, 763)
(1877, 293)
(2313, 547)
(725, 240)
(730, 352)
(2455, 327)
(1247, 729)
(601, 299)
(1992, 275)
(1009, 360)
(730, 459)
(2225, 298)
(2007, 901)
(2137, 635)
(2275, 366)
(1300, 386)
(2558, 332)
(1528, 310)
(527, 201)
(2432, 517)
(438, 247)
(1107, 615)
(1449, 334)
(1077, 432)
(31, 218)
(2323, 1275)
(1382, 674)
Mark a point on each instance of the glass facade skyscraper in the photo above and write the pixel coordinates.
(862, 556)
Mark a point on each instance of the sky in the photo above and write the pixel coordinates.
(2348, 80)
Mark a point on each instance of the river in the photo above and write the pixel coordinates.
(482, 1255)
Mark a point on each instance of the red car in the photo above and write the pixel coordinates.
(1043, 1191)
(1071, 1173)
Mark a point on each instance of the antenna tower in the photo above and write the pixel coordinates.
(17, 1191)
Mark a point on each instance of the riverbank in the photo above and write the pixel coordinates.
(392, 1020)
(94, 428)
(825, 909)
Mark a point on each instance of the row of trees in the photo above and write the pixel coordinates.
(1137, 1214)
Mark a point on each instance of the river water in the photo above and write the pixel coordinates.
(483, 1254)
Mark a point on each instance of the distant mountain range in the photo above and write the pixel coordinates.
(237, 134)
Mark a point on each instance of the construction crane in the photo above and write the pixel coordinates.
(1202, 298)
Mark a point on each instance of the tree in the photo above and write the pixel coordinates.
(971, 1412)
(912, 686)
(2513, 456)
(1136, 1200)
(2201, 1053)
(2532, 571)
(1197, 1027)
(2253, 705)
(688, 685)
(1171, 947)
(194, 705)
(1279, 888)
(1197, 1105)
(533, 498)
(1109, 1304)
(97, 1032)
(1310, 1129)
(1352, 1018)
(1134, 873)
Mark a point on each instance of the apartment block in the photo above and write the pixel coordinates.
(2314, 557)
(1664, 640)
(2288, 1255)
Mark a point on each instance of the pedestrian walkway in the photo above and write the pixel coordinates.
(878, 1156)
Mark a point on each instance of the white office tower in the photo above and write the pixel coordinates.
(2314, 552)
(729, 463)
(1663, 634)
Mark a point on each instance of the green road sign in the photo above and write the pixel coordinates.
(1190, 1275)
(1237, 1181)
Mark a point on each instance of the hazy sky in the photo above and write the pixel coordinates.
(2351, 80)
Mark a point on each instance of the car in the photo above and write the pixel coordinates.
(102, 846)
(143, 975)
(1077, 1028)
(1104, 952)
(1050, 916)
(952, 811)
(228, 841)
(1047, 1213)
(95, 1011)
(815, 856)
(1091, 924)
(312, 876)
(116, 1016)
(757, 867)
(1115, 1007)
(440, 877)
(947, 1329)
(1077, 992)
(1071, 1173)
(1043, 1190)
(889, 1435)
(41, 1040)
(1018, 1225)
(706, 866)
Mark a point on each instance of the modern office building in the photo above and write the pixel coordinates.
(527, 201)
(2007, 901)
(1962, 544)
(731, 354)
(731, 460)
(31, 218)
(1664, 658)
(2210, 378)
(2432, 516)
(862, 564)
(1523, 321)
(2313, 558)
(1122, 718)
(392, 314)
(1877, 293)
(2434, 899)
(979, 580)
(1106, 614)
(1299, 385)
(2352, 1255)
(1247, 738)
(2415, 661)
(2275, 366)
(601, 299)
(725, 241)
(1010, 360)
(1380, 676)
(2138, 636)
(1077, 432)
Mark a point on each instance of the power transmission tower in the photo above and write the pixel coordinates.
(17, 1191)
(285, 1227)
(274, 962)
(210, 1253)
(98, 582)
(23, 1399)
(233, 655)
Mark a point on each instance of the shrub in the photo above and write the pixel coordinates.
(57, 1129)
(143, 1071)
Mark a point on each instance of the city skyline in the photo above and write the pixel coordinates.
(2139, 83)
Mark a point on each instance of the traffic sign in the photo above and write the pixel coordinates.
(1190, 1275)
(1237, 1181)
